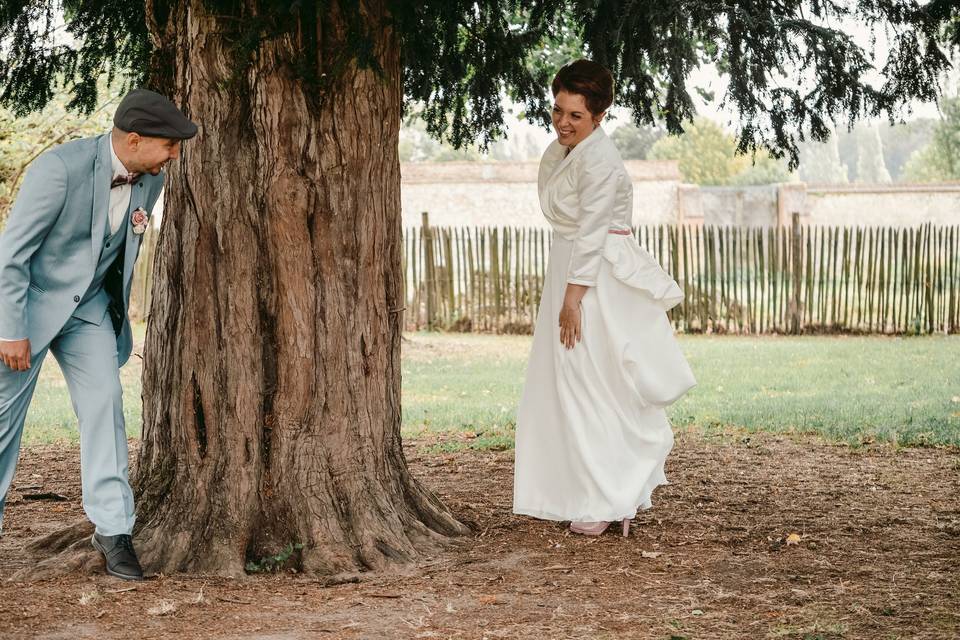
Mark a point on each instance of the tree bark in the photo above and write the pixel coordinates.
(271, 385)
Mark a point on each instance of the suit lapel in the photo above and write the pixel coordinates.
(102, 176)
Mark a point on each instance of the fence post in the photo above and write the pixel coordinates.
(429, 268)
(797, 268)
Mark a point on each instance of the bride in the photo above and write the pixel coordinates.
(592, 433)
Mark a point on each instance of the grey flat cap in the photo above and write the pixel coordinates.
(150, 114)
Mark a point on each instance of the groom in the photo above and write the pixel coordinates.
(66, 263)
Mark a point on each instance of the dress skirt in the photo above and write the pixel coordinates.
(592, 433)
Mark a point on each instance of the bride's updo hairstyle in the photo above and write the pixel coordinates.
(586, 78)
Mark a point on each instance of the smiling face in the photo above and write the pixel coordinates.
(146, 154)
(572, 121)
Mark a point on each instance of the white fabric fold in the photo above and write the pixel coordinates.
(634, 266)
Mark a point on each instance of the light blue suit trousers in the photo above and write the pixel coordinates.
(87, 354)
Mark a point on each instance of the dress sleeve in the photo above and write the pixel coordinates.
(42, 195)
(598, 191)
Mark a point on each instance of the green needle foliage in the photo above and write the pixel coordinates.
(44, 43)
(793, 69)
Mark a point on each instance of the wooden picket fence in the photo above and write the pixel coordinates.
(750, 280)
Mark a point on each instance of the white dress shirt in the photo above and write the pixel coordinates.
(119, 196)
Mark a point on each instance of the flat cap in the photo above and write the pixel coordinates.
(150, 114)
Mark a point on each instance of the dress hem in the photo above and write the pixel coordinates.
(542, 514)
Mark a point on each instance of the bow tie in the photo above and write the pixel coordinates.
(119, 181)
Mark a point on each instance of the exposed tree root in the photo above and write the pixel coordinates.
(62, 552)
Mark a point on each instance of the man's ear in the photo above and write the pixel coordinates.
(133, 140)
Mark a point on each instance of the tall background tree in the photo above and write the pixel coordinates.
(633, 142)
(939, 161)
(820, 163)
(272, 360)
(871, 167)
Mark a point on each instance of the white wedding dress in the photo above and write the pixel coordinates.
(592, 434)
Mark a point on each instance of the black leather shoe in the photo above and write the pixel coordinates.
(121, 558)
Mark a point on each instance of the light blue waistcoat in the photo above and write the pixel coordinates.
(93, 304)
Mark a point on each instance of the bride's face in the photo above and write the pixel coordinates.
(572, 121)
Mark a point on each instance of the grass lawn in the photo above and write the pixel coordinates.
(904, 390)
(853, 389)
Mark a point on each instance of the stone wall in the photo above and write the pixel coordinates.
(896, 205)
(848, 205)
(505, 193)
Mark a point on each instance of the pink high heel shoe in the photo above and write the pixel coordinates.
(597, 528)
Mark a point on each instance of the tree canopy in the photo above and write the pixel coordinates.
(792, 68)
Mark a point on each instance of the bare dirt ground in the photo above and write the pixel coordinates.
(877, 557)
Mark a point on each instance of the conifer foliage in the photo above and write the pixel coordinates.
(792, 66)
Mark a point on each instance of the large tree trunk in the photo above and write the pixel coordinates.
(271, 382)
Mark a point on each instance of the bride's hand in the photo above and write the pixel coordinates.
(570, 315)
(570, 325)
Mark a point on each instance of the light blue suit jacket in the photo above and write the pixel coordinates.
(51, 245)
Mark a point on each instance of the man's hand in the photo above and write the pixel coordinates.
(15, 354)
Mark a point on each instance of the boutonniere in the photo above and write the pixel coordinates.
(139, 219)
